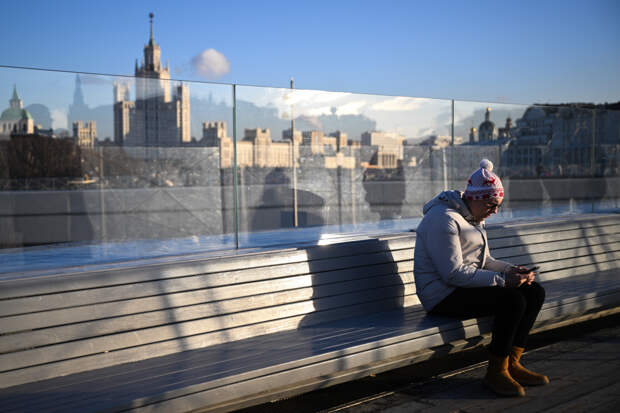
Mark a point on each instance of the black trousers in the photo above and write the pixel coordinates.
(515, 310)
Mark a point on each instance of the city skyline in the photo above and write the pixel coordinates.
(413, 118)
(551, 52)
(417, 118)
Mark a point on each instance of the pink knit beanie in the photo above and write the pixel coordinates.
(484, 184)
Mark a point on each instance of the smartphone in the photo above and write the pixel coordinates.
(533, 269)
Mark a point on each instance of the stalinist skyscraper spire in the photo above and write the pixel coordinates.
(78, 110)
(156, 118)
(151, 68)
(151, 15)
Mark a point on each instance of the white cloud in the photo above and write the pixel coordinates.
(426, 132)
(398, 104)
(323, 110)
(351, 108)
(303, 102)
(317, 102)
(310, 98)
(211, 64)
(411, 117)
(59, 118)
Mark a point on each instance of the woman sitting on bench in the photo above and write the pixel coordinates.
(456, 276)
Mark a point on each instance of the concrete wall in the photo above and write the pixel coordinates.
(43, 217)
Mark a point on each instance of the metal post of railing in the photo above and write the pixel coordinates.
(294, 163)
(452, 125)
(444, 169)
(353, 195)
(593, 155)
(235, 183)
(101, 196)
(452, 156)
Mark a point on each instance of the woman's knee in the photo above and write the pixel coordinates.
(513, 301)
(534, 293)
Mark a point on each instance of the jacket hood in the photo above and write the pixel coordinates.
(451, 199)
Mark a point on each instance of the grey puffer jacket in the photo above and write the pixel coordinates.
(451, 250)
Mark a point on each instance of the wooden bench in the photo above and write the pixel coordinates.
(224, 333)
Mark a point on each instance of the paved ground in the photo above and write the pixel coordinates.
(582, 362)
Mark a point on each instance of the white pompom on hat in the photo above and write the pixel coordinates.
(484, 184)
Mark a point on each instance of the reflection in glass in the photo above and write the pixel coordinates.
(90, 173)
(100, 168)
(552, 158)
(359, 165)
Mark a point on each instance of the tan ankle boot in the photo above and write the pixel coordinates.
(499, 380)
(520, 373)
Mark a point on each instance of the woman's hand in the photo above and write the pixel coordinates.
(517, 275)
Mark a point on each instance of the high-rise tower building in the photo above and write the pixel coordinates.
(78, 109)
(155, 118)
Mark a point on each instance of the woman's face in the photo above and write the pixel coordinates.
(482, 209)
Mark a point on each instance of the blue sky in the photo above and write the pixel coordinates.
(496, 51)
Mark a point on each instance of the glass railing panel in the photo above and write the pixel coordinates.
(97, 169)
(361, 162)
(484, 131)
(606, 157)
(481, 130)
(100, 169)
(552, 159)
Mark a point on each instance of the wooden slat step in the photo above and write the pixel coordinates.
(551, 236)
(587, 269)
(233, 327)
(597, 253)
(50, 318)
(227, 264)
(550, 224)
(506, 253)
(241, 280)
(579, 286)
(214, 362)
(161, 348)
(568, 263)
(389, 285)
